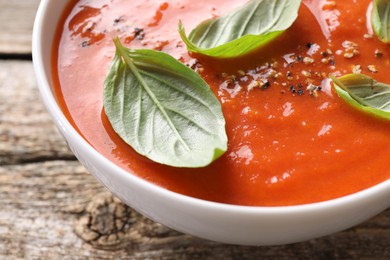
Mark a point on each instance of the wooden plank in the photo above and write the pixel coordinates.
(51, 208)
(44, 207)
(27, 132)
(16, 23)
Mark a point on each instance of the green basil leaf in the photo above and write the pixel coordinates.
(163, 109)
(364, 93)
(242, 30)
(381, 19)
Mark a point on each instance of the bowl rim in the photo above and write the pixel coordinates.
(61, 121)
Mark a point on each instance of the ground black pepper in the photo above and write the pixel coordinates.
(139, 33)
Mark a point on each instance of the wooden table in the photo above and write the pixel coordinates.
(51, 208)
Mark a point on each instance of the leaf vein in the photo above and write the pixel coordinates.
(179, 90)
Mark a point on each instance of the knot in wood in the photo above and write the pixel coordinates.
(104, 222)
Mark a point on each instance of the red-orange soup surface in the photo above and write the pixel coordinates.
(292, 140)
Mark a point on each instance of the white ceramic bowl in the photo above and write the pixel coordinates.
(209, 220)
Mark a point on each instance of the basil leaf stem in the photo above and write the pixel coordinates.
(243, 30)
(364, 93)
(163, 109)
(381, 19)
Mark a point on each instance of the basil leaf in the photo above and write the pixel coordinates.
(163, 109)
(364, 93)
(381, 19)
(242, 30)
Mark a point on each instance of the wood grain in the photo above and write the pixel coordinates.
(16, 23)
(52, 208)
(27, 132)
(42, 206)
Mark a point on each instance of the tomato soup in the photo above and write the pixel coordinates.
(291, 139)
